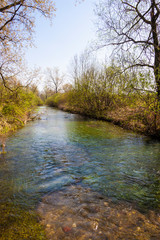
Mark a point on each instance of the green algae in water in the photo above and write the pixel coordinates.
(61, 146)
(19, 224)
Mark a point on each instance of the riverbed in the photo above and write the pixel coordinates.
(64, 151)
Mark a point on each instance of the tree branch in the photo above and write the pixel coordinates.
(139, 65)
(11, 19)
(2, 9)
(142, 16)
(4, 82)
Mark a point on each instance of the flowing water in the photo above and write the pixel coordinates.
(62, 150)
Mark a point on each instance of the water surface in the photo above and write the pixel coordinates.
(63, 149)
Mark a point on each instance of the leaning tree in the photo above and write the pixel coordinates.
(133, 28)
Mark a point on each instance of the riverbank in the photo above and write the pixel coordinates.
(127, 118)
(16, 109)
(9, 124)
(137, 116)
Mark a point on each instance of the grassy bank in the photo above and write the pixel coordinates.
(16, 108)
(138, 113)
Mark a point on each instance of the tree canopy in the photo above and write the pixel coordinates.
(133, 28)
(17, 21)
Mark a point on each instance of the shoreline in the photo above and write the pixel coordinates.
(8, 126)
(128, 123)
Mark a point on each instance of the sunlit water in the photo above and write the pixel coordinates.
(63, 149)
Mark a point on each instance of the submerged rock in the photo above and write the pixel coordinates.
(78, 213)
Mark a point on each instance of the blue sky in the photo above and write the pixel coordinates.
(71, 31)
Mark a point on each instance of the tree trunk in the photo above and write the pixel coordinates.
(156, 47)
(157, 75)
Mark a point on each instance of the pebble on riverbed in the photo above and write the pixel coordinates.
(79, 213)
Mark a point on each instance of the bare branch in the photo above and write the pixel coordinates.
(4, 82)
(2, 9)
(11, 19)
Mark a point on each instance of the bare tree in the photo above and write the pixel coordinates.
(80, 65)
(132, 27)
(54, 77)
(67, 87)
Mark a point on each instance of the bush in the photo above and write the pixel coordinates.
(10, 110)
(57, 99)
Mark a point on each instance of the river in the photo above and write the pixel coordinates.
(62, 150)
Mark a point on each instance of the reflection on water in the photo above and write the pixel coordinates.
(62, 149)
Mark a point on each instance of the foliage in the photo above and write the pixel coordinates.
(15, 107)
(57, 99)
(107, 93)
(17, 22)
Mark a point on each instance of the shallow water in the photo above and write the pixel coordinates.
(63, 149)
(79, 213)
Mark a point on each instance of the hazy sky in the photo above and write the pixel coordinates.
(71, 31)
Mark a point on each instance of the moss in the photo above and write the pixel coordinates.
(20, 224)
